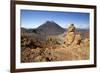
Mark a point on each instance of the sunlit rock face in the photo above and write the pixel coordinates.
(70, 34)
(77, 39)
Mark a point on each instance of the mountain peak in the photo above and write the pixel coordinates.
(50, 27)
(50, 22)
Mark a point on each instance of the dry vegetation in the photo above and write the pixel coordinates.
(70, 46)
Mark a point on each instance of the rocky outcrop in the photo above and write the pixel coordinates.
(71, 28)
(70, 34)
(72, 37)
(77, 39)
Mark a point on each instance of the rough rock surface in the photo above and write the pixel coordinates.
(70, 34)
(71, 46)
(77, 39)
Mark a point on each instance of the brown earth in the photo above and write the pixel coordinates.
(55, 48)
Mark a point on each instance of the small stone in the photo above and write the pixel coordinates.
(38, 58)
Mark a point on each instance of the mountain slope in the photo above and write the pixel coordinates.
(50, 28)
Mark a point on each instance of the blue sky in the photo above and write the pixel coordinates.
(33, 18)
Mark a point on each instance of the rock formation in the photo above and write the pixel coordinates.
(77, 39)
(70, 34)
(71, 28)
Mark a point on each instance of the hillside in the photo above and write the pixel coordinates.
(56, 45)
(47, 28)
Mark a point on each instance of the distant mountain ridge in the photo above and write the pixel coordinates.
(50, 28)
(47, 28)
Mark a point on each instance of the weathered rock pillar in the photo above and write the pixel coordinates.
(70, 34)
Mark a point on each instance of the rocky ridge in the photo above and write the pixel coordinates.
(70, 46)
